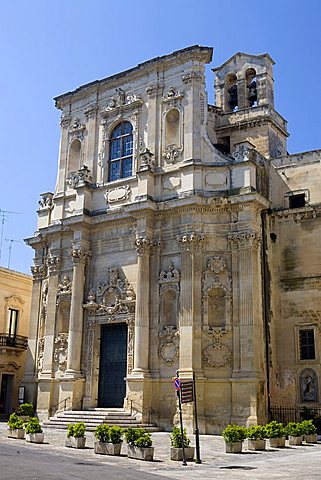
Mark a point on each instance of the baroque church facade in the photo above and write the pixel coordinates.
(176, 239)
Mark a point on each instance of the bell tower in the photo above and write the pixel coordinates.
(244, 96)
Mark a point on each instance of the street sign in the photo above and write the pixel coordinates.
(177, 384)
(187, 392)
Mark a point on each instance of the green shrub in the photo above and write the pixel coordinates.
(144, 441)
(176, 438)
(15, 422)
(294, 429)
(115, 434)
(274, 430)
(234, 433)
(308, 428)
(33, 425)
(76, 430)
(101, 433)
(132, 434)
(256, 432)
(25, 410)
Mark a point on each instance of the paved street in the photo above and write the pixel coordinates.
(53, 461)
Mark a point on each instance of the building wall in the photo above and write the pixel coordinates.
(15, 294)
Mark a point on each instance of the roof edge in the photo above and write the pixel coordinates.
(260, 55)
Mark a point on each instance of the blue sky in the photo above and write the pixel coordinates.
(50, 47)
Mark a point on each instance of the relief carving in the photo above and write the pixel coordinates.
(217, 355)
(41, 344)
(172, 153)
(61, 351)
(79, 178)
(117, 194)
(169, 346)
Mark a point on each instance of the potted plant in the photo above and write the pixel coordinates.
(140, 444)
(256, 437)
(275, 433)
(25, 411)
(177, 445)
(108, 440)
(76, 435)
(295, 433)
(34, 433)
(15, 427)
(309, 431)
(234, 436)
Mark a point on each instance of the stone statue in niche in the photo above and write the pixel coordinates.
(309, 385)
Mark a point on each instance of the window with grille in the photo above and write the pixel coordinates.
(121, 152)
(13, 322)
(306, 339)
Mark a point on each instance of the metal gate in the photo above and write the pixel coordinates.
(113, 365)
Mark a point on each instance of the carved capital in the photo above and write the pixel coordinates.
(143, 245)
(53, 263)
(80, 255)
(146, 159)
(242, 240)
(192, 77)
(46, 202)
(37, 271)
(190, 241)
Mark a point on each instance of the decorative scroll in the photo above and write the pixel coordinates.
(169, 345)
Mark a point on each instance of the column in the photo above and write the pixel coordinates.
(79, 256)
(141, 343)
(190, 303)
(53, 266)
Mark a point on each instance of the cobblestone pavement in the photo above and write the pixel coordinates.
(302, 462)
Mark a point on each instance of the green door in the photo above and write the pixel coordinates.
(113, 365)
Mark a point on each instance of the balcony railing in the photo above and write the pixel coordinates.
(18, 342)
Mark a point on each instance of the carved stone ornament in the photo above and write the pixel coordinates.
(65, 120)
(64, 288)
(172, 94)
(309, 390)
(217, 355)
(191, 241)
(146, 159)
(61, 351)
(191, 77)
(113, 297)
(117, 194)
(169, 347)
(79, 178)
(246, 239)
(216, 264)
(172, 153)
(171, 275)
(76, 129)
(91, 110)
(143, 245)
(244, 153)
(122, 99)
(46, 202)
(53, 263)
(37, 272)
(41, 345)
(80, 255)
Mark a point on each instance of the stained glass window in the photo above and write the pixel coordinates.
(121, 152)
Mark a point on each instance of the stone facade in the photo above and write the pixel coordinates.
(15, 306)
(172, 223)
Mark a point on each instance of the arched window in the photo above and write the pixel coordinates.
(231, 90)
(121, 152)
(251, 85)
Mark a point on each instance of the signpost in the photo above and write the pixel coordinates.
(186, 393)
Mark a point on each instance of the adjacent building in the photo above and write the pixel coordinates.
(15, 306)
(180, 236)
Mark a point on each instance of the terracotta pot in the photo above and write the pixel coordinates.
(256, 444)
(107, 448)
(76, 442)
(177, 453)
(140, 453)
(234, 447)
(35, 437)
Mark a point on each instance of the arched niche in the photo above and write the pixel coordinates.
(231, 93)
(74, 160)
(63, 315)
(251, 87)
(169, 307)
(309, 388)
(172, 125)
(216, 307)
